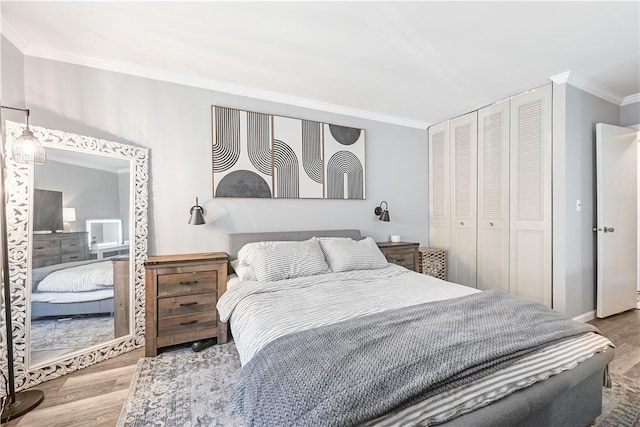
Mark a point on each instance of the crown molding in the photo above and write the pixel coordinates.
(586, 85)
(13, 35)
(631, 99)
(560, 78)
(217, 85)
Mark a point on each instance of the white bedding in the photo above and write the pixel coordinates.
(263, 311)
(83, 278)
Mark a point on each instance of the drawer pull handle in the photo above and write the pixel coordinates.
(399, 259)
(187, 304)
(73, 257)
(40, 247)
(188, 323)
(189, 282)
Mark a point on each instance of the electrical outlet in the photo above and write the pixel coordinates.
(578, 205)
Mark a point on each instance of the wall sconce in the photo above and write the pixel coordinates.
(382, 213)
(68, 215)
(26, 148)
(197, 214)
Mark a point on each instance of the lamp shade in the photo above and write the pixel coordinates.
(382, 212)
(69, 214)
(27, 149)
(197, 214)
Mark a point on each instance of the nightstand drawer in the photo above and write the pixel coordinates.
(187, 323)
(187, 283)
(404, 259)
(187, 304)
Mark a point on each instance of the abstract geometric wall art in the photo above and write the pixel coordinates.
(242, 164)
(263, 155)
(345, 162)
(297, 158)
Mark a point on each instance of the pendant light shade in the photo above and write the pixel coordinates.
(26, 148)
(197, 214)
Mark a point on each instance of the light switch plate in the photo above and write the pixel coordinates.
(578, 205)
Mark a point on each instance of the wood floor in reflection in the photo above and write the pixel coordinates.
(94, 396)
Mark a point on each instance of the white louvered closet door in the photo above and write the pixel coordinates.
(463, 132)
(493, 197)
(530, 218)
(439, 187)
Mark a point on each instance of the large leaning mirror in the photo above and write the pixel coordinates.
(77, 229)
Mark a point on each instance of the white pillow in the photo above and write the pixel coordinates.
(244, 272)
(349, 254)
(247, 254)
(288, 260)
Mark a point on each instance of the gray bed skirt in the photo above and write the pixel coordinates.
(47, 309)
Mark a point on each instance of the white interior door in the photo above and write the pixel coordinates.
(493, 197)
(616, 168)
(439, 184)
(463, 132)
(530, 196)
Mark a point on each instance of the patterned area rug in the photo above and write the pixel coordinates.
(620, 404)
(183, 388)
(51, 338)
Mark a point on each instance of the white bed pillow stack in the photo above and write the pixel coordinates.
(349, 254)
(278, 260)
(288, 260)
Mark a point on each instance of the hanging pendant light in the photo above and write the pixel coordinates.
(26, 148)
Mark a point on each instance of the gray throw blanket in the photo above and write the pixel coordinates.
(353, 371)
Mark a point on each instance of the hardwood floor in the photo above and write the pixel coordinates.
(88, 397)
(94, 396)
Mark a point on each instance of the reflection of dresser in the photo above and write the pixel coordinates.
(56, 248)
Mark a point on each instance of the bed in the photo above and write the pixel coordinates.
(81, 288)
(567, 393)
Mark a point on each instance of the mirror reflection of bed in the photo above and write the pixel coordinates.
(80, 266)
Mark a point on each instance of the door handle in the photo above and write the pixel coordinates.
(609, 229)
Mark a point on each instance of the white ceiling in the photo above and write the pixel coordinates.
(410, 63)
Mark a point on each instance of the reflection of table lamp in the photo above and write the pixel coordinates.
(68, 215)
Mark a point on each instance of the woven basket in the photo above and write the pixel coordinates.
(433, 262)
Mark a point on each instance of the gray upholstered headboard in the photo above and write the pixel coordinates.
(238, 240)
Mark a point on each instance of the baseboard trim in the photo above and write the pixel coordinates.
(585, 317)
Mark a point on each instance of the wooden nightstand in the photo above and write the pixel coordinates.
(181, 296)
(401, 253)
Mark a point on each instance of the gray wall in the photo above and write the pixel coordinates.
(12, 81)
(583, 111)
(174, 121)
(93, 193)
(630, 114)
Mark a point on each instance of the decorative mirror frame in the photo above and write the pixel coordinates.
(18, 188)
